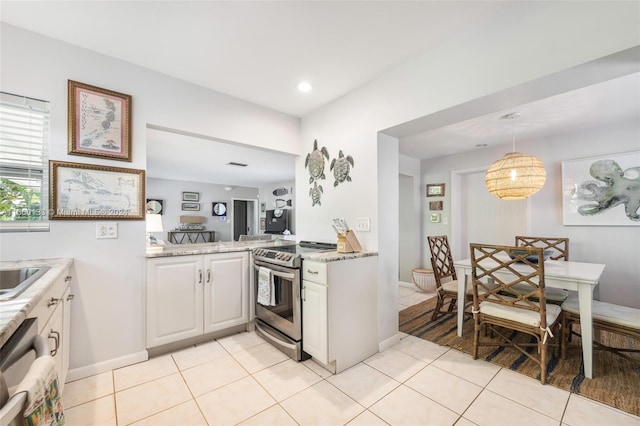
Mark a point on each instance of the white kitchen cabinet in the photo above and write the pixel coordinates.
(226, 290)
(188, 296)
(340, 311)
(54, 323)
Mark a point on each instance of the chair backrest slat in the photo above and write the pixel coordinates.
(496, 269)
(441, 259)
(560, 246)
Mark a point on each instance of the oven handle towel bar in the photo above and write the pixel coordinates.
(14, 407)
(284, 275)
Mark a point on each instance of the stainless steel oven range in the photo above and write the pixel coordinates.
(281, 323)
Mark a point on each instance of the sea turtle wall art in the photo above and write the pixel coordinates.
(341, 167)
(315, 163)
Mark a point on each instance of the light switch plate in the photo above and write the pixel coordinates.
(363, 224)
(106, 230)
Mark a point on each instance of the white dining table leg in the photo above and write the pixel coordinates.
(461, 274)
(585, 300)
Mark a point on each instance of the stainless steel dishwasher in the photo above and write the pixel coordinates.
(16, 357)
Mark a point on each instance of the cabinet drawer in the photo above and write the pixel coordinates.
(51, 299)
(314, 271)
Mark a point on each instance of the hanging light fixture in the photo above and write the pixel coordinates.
(515, 176)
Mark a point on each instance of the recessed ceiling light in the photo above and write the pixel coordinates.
(305, 86)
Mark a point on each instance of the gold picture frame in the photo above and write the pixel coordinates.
(87, 191)
(435, 190)
(99, 122)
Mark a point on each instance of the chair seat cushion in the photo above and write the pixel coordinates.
(452, 287)
(552, 294)
(523, 316)
(607, 312)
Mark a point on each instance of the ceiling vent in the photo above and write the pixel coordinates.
(233, 163)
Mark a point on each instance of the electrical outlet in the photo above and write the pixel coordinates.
(445, 221)
(106, 230)
(363, 224)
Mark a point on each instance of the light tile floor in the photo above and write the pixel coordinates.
(241, 379)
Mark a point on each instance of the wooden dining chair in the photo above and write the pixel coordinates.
(444, 274)
(559, 248)
(500, 307)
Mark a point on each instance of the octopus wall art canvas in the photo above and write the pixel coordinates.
(602, 191)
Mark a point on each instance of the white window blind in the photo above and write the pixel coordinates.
(24, 131)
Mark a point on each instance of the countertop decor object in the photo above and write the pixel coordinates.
(99, 122)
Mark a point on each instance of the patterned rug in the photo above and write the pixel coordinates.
(616, 380)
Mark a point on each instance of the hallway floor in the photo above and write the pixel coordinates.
(242, 379)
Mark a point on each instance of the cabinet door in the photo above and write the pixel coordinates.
(174, 299)
(314, 321)
(66, 333)
(53, 332)
(226, 290)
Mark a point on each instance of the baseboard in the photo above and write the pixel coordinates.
(387, 343)
(104, 366)
(404, 284)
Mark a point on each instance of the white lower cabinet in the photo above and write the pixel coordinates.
(188, 296)
(54, 323)
(340, 311)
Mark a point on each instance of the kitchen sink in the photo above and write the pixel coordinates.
(15, 281)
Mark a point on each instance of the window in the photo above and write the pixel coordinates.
(24, 132)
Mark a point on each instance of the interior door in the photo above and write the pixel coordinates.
(239, 219)
(488, 219)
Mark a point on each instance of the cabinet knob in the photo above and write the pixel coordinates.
(208, 275)
(67, 278)
(52, 302)
(199, 276)
(312, 272)
(71, 297)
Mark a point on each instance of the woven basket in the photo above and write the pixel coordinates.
(424, 280)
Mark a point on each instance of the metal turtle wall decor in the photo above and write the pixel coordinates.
(341, 167)
(315, 193)
(315, 162)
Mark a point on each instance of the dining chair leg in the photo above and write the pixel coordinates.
(476, 338)
(543, 362)
(437, 309)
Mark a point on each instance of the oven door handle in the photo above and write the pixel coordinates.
(284, 275)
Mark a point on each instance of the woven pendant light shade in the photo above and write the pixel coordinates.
(515, 176)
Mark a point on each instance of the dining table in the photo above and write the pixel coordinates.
(569, 275)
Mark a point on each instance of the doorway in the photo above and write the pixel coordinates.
(244, 218)
(481, 217)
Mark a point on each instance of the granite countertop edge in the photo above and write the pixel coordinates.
(13, 312)
(334, 256)
(209, 248)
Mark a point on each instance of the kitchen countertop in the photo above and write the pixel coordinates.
(334, 256)
(14, 312)
(207, 248)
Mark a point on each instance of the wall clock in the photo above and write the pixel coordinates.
(155, 206)
(219, 209)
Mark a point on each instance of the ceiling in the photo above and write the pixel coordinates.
(259, 50)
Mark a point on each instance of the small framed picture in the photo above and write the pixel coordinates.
(435, 217)
(190, 196)
(191, 206)
(435, 189)
(435, 205)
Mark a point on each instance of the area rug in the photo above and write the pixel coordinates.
(616, 380)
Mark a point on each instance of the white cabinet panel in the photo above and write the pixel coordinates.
(174, 299)
(314, 320)
(226, 291)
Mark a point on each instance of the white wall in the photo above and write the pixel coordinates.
(171, 192)
(410, 237)
(508, 51)
(618, 247)
(108, 312)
